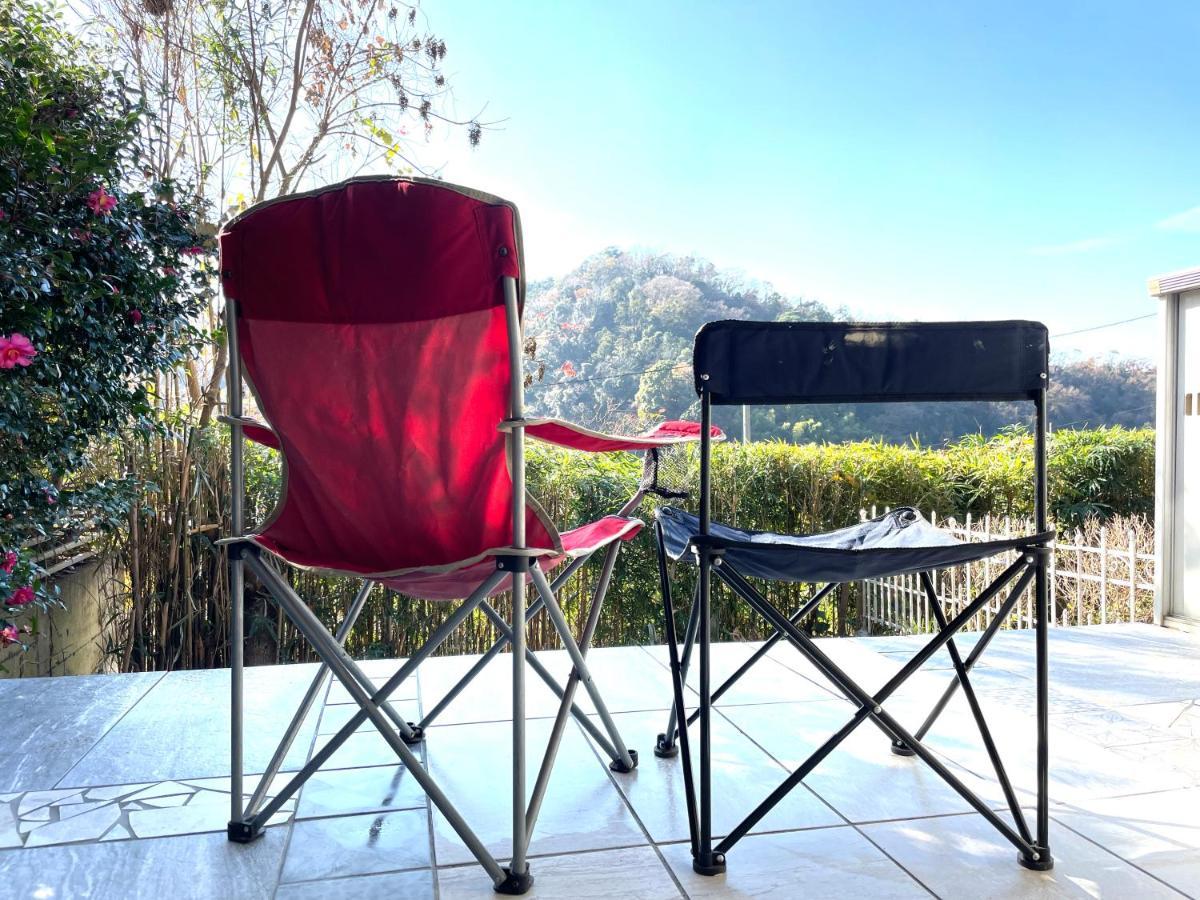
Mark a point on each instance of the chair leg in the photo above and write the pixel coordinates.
(339, 661)
(665, 745)
(707, 862)
(627, 759)
(237, 830)
(677, 691)
(1041, 860)
(310, 696)
(566, 706)
(499, 644)
(517, 878)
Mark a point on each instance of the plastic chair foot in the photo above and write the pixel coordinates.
(902, 749)
(664, 750)
(242, 832)
(618, 766)
(514, 884)
(418, 735)
(714, 866)
(1043, 863)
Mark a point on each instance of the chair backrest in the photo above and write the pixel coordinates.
(372, 332)
(844, 362)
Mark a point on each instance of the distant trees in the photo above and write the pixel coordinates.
(614, 337)
(1092, 392)
(614, 343)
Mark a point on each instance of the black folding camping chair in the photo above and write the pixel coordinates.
(750, 363)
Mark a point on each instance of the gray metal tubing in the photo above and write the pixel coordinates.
(439, 635)
(516, 456)
(567, 706)
(500, 644)
(289, 736)
(233, 377)
(564, 632)
(544, 673)
(342, 665)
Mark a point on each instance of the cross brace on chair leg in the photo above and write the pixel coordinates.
(343, 667)
(666, 741)
(871, 706)
(503, 641)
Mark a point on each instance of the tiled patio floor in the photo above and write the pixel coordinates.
(116, 786)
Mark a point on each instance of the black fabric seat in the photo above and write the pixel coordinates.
(899, 542)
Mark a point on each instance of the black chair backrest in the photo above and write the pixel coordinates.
(844, 362)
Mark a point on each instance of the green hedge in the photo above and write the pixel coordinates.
(781, 487)
(815, 487)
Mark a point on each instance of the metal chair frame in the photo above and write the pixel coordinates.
(1031, 566)
(247, 819)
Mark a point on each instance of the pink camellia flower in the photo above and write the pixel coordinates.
(82, 235)
(101, 202)
(21, 596)
(170, 270)
(569, 370)
(16, 350)
(135, 316)
(192, 251)
(10, 562)
(9, 635)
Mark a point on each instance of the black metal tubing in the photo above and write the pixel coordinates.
(977, 711)
(1042, 858)
(870, 706)
(677, 689)
(795, 618)
(709, 860)
(972, 657)
(705, 861)
(667, 738)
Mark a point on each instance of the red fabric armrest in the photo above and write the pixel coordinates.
(255, 431)
(576, 437)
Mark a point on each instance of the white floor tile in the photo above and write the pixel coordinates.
(1158, 832)
(963, 856)
(635, 873)
(827, 863)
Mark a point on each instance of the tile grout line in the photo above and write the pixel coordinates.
(1116, 855)
(430, 812)
(821, 799)
(633, 812)
(832, 808)
(291, 825)
(109, 729)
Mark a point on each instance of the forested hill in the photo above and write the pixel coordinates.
(612, 340)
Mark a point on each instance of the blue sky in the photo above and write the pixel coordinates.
(907, 160)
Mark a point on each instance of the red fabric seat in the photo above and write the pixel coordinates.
(457, 583)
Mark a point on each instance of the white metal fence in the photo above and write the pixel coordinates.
(1099, 574)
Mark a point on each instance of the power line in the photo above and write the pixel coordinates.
(1106, 418)
(574, 381)
(1105, 325)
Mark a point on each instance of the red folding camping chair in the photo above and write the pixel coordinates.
(377, 323)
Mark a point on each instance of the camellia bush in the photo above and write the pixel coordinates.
(101, 276)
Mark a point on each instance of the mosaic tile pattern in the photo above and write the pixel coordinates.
(119, 812)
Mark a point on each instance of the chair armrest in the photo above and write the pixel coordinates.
(254, 430)
(576, 437)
